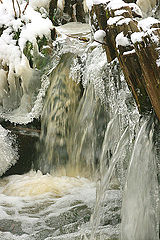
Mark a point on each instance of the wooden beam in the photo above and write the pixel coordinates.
(138, 60)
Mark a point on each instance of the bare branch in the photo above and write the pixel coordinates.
(14, 9)
(25, 7)
(19, 8)
(103, 43)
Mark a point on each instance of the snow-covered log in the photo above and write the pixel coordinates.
(136, 44)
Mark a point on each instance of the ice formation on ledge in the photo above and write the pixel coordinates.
(9, 155)
(20, 26)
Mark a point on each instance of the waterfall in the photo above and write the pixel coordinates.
(140, 210)
(106, 174)
(90, 128)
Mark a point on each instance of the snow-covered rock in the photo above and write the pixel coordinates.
(24, 31)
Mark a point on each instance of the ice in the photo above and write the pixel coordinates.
(74, 29)
(9, 155)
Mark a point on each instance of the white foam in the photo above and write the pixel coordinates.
(35, 183)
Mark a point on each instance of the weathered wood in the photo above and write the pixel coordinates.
(73, 11)
(137, 59)
(148, 55)
(130, 1)
(80, 14)
(102, 20)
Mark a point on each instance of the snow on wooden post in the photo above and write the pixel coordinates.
(102, 21)
(135, 44)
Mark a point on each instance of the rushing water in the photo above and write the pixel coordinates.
(92, 153)
(140, 204)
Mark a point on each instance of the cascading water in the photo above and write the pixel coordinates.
(89, 126)
(140, 210)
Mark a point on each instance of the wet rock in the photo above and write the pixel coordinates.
(8, 225)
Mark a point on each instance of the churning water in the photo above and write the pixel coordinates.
(95, 155)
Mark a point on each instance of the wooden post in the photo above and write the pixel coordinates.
(138, 60)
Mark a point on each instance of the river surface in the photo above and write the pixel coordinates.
(36, 206)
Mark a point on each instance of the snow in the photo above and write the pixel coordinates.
(99, 36)
(146, 24)
(134, 7)
(14, 65)
(158, 62)
(114, 20)
(129, 52)
(120, 12)
(121, 40)
(116, 4)
(137, 37)
(39, 3)
(31, 25)
(96, 2)
(124, 21)
(89, 4)
(32, 29)
(154, 38)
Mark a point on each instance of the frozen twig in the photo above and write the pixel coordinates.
(25, 6)
(19, 8)
(14, 9)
